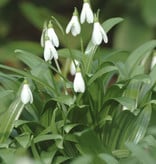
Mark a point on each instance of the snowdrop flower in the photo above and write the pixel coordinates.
(49, 51)
(26, 94)
(52, 35)
(86, 13)
(98, 33)
(74, 25)
(73, 68)
(79, 84)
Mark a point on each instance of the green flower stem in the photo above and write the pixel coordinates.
(59, 69)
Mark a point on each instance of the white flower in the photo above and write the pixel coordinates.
(49, 51)
(86, 13)
(73, 68)
(26, 94)
(53, 37)
(98, 34)
(79, 84)
(73, 26)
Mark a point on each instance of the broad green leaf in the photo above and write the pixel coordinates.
(61, 159)
(108, 158)
(24, 140)
(89, 143)
(127, 103)
(121, 153)
(69, 127)
(25, 74)
(100, 72)
(140, 125)
(110, 23)
(42, 138)
(39, 68)
(137, 55)
(8, 118)
(6, 97)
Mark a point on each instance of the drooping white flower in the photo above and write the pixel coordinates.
(86, 13)
(49, 51)
(73, 68)
(98, 34)
(26, 94)
(79, 84)
(74, 25)
(52, 36)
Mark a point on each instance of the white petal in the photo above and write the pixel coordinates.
(79, 85)
(54, 52)
(72, 67)
(73, 26)
(47, 51)
(69, 26)
(26, 94)
(53, 37)
(104, 35)
(96, 35)
(89, 13)
(83, 14)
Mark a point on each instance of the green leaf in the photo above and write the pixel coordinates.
(8, 118)
(108, 158)
(127, 103)
(100, 72)
(137, 55)
(25, 74)
(24, 140)
(39, 68)
(47, 137)
(89, 143)
(140, 125)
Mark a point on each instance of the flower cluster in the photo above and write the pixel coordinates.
(50, 41)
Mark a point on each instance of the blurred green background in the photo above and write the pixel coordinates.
(21, 23)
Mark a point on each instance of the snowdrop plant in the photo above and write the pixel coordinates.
(26, 94)
(101, 113)
(86, 13)
(74, 25)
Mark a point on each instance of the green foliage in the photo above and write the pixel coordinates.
(108, 123)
